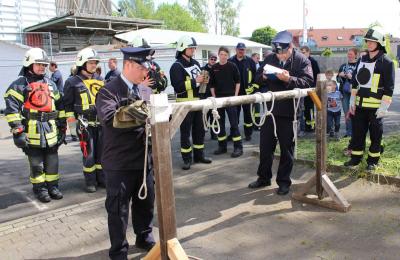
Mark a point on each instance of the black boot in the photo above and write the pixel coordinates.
(202, 159)
(55, 193)
(186, 164)
(259, 183)
(237, 152)
(42, 194)
(220, 150)
(352, 163)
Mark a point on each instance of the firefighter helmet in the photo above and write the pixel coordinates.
(375, 35)
(139, 42)
(35, 55)
(85, 55)
(185, 42)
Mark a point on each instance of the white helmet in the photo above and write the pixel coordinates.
(185, 42)
(139, 42)
(85, 55)
(35, 55)
(375, 35)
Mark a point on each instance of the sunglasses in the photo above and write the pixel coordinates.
(213, 59)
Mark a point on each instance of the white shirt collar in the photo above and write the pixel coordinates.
(127, 82)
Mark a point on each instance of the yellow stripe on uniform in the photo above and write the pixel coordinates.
(198, 146)
(52, 177)
(357, 152)
(248, 125)
(13, 117)
(39, 179)
(89, 169)
(15, 94)
(374, 154)
(222, 138)
(375, 83)
(237, 138)
(85, 101)
(98, 167)
(184, 150)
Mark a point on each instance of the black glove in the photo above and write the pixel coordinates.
(61, 136)
(20, 140)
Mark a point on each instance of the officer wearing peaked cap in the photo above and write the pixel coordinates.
(296, 73)
(123, 158)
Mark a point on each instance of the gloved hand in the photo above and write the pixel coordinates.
(61, 136)
(20, 138)
(383, 109)
(132, 115)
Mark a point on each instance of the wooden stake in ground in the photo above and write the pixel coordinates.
(321, 180)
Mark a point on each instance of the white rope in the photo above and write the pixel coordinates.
(206, 121)
(215, 127)
(266, 111)
(296, 106)
(144, 184)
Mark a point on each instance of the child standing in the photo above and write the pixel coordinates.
(334, 109)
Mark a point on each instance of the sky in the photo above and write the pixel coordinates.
(287, 14)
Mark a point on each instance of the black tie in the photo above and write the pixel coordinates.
(281, 64)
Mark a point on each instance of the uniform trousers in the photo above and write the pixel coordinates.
(365, 120)
(122, 189)
(284, 129)
(192, 125)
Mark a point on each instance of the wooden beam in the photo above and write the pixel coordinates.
(198, 105)
(154, 254)
(320, 136)
(162, 158)
(175, 250)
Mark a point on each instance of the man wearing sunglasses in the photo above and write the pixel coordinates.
(296, 73)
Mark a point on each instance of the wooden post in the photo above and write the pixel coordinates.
(321, 180)
(162, 159)
(320, 136)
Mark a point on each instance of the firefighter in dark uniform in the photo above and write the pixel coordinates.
(80, 96)
(123, 158)
(212, 59)
(186, 78)
(247, 69)
(156, 78)
(372, 90)
(35, 113)
(308, 103)
(297, 73)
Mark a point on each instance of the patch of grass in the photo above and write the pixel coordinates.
(389, 163)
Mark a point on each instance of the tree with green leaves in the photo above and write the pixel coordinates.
(176, 17)
(137, 8)
(327, 52)
(263, 35)
(222, 16)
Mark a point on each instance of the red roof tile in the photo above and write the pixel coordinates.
(332, 35)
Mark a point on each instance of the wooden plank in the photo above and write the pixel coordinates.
(165, 196)
(314, 97)
(177, 117)
(154, 254)
(320, 135)
(305, 187)
(198, 105)
(321, 203)
(333, 192)
(175, 250)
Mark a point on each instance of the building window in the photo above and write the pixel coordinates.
(340, 38)
(324, 38)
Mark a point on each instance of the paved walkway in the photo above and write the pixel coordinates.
(220, 218)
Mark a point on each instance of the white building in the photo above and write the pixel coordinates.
(15, 15)
(206, 42)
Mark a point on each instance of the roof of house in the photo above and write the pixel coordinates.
(342, 37)
(162, 37)
(110, 24)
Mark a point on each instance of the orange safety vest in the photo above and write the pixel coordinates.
(39, 97)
